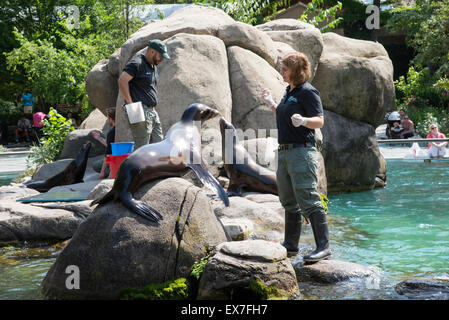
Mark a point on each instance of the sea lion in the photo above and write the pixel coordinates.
(171, 157)
(242, 170)
(73, 173)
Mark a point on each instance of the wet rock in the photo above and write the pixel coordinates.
(115, 248)
(437, 288)
(20, 221)
(235, 265)
(332, 271)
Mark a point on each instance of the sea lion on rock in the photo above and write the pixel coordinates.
(73, 173)
(242, 170)
(171, 157)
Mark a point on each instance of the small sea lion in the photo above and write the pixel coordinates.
(73, 173)
(243, 172)
(171, 157)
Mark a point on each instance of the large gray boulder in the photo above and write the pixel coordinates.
(76, 139)
(250, 38)
(115, 248)
(351, 154)
(235, 266)
(179, 86)
(355, 79)
(20, 222)
(249, 75)
(193, 20)
(300, 36)
(101, 86)
(97, 120)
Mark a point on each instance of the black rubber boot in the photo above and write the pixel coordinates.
(321, 234)
(292, 232)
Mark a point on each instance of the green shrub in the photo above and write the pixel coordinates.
(424, 116)
(7, 107)
(56, 127)
(171, 290)
(418, 85)
(198, 267)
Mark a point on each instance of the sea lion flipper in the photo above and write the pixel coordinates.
(145, 210)
(40, 185)
(237, 192)
(209, 181)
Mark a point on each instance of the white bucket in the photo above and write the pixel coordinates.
(28, 109)
(135, 112)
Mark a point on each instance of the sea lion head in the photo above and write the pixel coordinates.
(199, 112)
(84, 152)
(225, 125)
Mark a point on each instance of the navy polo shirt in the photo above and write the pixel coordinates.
(142, 86)
(305, 100)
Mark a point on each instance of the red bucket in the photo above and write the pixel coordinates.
(114, 163)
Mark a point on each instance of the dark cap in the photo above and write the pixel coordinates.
(160, 47)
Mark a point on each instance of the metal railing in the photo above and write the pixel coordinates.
(412, 140)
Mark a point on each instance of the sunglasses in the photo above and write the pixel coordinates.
(432, 128)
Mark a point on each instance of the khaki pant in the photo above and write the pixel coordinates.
(148, 131)
(297, 180)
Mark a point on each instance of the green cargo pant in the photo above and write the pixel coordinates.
(297, 180)
(148, 131)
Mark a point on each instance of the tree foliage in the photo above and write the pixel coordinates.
(56, 127)
(427, 28)
(316, 13)
(46, 53)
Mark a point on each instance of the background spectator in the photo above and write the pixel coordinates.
(436, 149)
(23, 129)
(409, 127)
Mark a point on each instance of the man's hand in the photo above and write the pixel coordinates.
(96, 134)
(266, 96)
(298, 120)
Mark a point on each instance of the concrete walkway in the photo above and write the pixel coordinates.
(13, 160)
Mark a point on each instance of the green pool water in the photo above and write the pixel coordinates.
(7, 177)
(402, 229)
